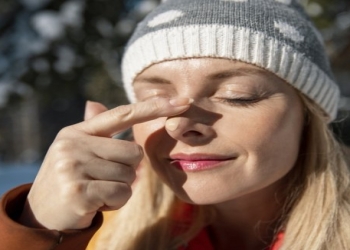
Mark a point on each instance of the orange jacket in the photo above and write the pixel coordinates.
(14, 236)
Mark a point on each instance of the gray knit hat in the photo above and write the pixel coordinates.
(276, 35)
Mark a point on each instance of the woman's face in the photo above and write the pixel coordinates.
(240, 135)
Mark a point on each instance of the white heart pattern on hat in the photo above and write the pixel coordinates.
(289, 31)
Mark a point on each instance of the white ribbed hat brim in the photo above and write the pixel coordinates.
(226, 41)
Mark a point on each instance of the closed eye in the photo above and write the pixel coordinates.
(243, 102)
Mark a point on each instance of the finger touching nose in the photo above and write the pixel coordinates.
(172, 124)
(123, 117)
(188, 130)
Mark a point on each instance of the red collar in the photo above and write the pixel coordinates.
(202, 242)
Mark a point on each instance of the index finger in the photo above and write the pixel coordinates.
(123, 117)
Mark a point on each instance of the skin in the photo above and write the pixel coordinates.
(239, 111)
(86, 171)
(211, 106)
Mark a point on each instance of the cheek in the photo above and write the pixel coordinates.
(275, 141)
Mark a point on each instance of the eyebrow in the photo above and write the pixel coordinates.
(153, 79)
(236, 72)
(222, 75)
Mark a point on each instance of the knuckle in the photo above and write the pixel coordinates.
(141, 153)
(137, 152)
(66, 131)
(63, 145)
(132, 152)
(130, 175)
(122, 193)
(65, 165)
(155, 106)
(113, 195)
(119, 193)
(133, 176)
(72, 190)
(122, 112)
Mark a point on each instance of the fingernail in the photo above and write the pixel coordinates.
(180, 101)
(171, 124)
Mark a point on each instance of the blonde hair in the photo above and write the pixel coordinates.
(316, 215)
(319, 218)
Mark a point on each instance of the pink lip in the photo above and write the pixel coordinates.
(198, 162)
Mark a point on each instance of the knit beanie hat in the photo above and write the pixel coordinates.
(275, 35)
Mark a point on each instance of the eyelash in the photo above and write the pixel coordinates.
(243, 102)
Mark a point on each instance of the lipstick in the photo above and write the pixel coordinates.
(198, 162)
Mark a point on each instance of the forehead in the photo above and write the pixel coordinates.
(210, 68)
(210, 74)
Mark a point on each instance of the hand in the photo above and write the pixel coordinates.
(86, 171)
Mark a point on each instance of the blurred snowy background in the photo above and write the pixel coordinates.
(56, 54)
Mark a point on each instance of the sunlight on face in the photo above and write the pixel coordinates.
(241, 134)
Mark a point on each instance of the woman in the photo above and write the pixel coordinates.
(231, 105)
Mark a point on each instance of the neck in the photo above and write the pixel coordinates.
(248, 222)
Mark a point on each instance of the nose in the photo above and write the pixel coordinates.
(193, 127)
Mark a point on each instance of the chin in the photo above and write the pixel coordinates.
(204, 196)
